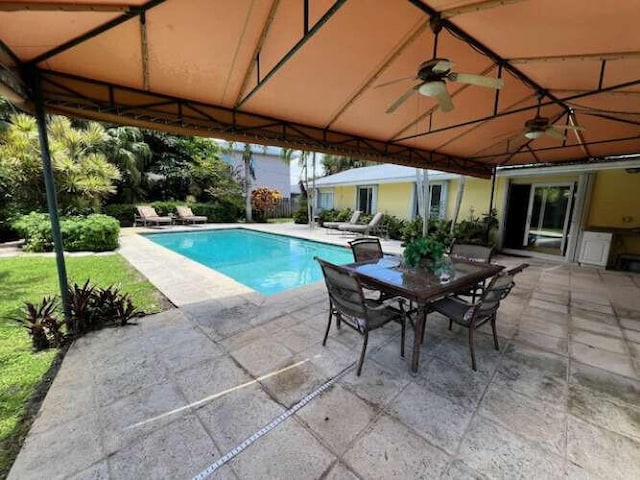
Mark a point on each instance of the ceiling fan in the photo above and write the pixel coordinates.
(432, 76)
(538, 126)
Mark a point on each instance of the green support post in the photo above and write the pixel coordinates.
(49, 184)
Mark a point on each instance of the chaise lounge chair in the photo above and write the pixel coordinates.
(148, 215)
(336, 225)
(363, 229)
(185, 215)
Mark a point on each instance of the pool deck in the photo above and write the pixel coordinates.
(170, 395)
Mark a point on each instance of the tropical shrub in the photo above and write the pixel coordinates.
(97, 233)
(264, 201)
(83, 176)
(40, 321)
(333, 215)
(218, 212)
(301, 215)
(93, 308)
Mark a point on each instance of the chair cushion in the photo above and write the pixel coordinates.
(457, 310)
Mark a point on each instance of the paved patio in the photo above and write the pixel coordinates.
(169, 396)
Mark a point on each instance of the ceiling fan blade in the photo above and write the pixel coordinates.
(550, 132)
(442, 66)
(444, 101)
(568, 127)
(478, 80)
(412, 77)
(509, 134)
(403, 98)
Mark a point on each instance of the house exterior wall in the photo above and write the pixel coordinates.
(344, 197)
(395, 199)
(476, 195)
(271, 171)
(615, 195)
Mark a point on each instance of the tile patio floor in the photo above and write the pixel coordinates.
(167, 397)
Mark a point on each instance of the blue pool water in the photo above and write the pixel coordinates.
(265, 262)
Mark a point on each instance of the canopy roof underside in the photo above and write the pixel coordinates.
(303, 74)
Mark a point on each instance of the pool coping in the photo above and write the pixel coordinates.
(184, 281)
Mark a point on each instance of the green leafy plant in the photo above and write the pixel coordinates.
(301, 215)
(43, 327)
(93, 308)
(94, 232)
(424, 248)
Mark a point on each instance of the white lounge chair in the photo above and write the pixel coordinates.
(336, 225)
(148, 215)
(185, 215)
(363, 229)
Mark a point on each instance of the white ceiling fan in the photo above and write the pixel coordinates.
(432, 76)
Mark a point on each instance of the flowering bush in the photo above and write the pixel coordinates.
(264, 201)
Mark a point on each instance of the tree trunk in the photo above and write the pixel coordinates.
(247, 190)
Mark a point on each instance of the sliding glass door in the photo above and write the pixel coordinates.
(548, 218)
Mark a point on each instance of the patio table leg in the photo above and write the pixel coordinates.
(418, 333)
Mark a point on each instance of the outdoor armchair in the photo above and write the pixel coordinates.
(363, 229)
(365, 249)
(352, 221)
(148, 215)
(473, 316)
(348, 304)
(474, 253)
(185, 215)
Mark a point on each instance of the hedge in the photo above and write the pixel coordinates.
(97, 233)
(221, 212)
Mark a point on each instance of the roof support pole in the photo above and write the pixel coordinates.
(426, 202)
(456, 210)
(493, 189)
(52, 201)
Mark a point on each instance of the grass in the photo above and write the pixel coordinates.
(27, 278)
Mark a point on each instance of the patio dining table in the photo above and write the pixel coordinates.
(420, 285)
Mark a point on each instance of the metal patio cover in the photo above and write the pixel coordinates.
(302, 74)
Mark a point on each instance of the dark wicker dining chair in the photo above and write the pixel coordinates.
(474, 253)
(473, 316)
(365, 249)
(348, 304)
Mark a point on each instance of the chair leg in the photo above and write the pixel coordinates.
(425, 327)
(404, 327)
(473, 353)
(495, 333)
(450, 324)
(364, 349)
(326, 334)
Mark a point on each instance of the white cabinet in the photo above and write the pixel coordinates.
(594, 249)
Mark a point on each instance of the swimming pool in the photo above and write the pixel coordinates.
(265, 262)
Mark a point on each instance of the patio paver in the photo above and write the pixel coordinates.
(167, 397)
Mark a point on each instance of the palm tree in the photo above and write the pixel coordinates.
(335, 163)
(249, 174)
(83, 177)
(125, 147)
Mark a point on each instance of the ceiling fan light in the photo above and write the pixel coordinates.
(432, 89)
(533, 134)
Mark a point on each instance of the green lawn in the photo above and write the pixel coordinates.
(28, 278)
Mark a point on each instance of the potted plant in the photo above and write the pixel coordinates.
(424, 252)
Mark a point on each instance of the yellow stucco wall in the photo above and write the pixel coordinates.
(395, 198)
(476, 196)
(616, 195)
(344, 197)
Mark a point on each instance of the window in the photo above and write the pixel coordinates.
(437, 200)
(325, 200)
(365, 200)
